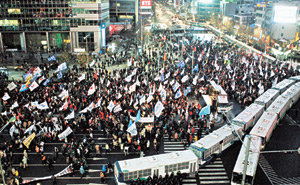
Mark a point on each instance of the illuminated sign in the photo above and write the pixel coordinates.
(146, 4)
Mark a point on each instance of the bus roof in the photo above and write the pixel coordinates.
(213, 138)
(218, 87)
(156, 160)
(278, 104)
(267, 96)
(255, 145)
(283, 84)
(247, 114)
(263, 125)
(296, 78)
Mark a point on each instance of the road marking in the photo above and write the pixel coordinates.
(51, 153)
(214, 177)
(212, 169)
(68, 178)
(189, 180)
(39, 165)
(215, 182)
(212, 173)
(214, 165)
(96, 158)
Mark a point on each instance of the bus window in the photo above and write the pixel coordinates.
(237, 178)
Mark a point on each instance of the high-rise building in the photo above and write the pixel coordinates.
(202, 9)
(47, 25)
(122, 11)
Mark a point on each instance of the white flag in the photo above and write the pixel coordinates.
(111, 106)
(142, 100)
(118, 108)
(71, 115)
(14, 105)
(185, 78)
(42, 78)
(92, 89)
(176, 86)
(132, 129)
(128, 78)
(92, 63)
(195, 80)
(43, 106)
(64, 94)
(108, 83)
(167, 75)
(11, 86)
(11, 130)
(6, 97)
(37, 71)
(163, 94)
(98, 104)
(91, 106)
(33, 86)
(158, 108)
(84, 110)
(149, 98)
(132, 88)
(134, 71)
(34, 104)
(82, 77)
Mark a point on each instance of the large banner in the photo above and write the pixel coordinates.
(66, 171)
(143, 119)
(65, 133)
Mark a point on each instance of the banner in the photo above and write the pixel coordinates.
(143, 119)
(11, 86)
(65, 133)
(66, 171)
(28, 140)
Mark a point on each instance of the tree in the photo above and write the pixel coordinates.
(84, 59)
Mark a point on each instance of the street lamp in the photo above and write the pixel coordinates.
(86, 44)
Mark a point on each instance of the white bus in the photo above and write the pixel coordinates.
(249, 116)
(265, 126)
(254, 149)
(280, 106)
(222, 100)
(184, 161)
(267, 97)
(296, 78)
(284, 85)
(214, 143)
(292, 93)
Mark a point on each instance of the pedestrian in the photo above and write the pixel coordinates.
(82, 171)
(102, 177)
(50, 163)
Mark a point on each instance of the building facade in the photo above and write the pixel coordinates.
(53, 25)
(203, 9)
(122, 11)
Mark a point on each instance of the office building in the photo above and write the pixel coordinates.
(48, 25)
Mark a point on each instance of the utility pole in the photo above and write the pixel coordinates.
(246, 160)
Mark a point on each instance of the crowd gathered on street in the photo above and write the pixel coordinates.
(133, 107)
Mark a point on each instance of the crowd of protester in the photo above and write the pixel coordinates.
(150, 78)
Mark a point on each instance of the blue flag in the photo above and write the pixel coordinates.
(162, 77)
(178, 94)
(23, 88)
(205, 110)
(45, 83)
(138, 117)
(196, 68)
(187, 91)
(181, 64)
(51, 58)
(59, 76)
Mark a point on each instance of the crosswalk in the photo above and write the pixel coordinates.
(173, 146)
(213, 173)
(95, 162)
